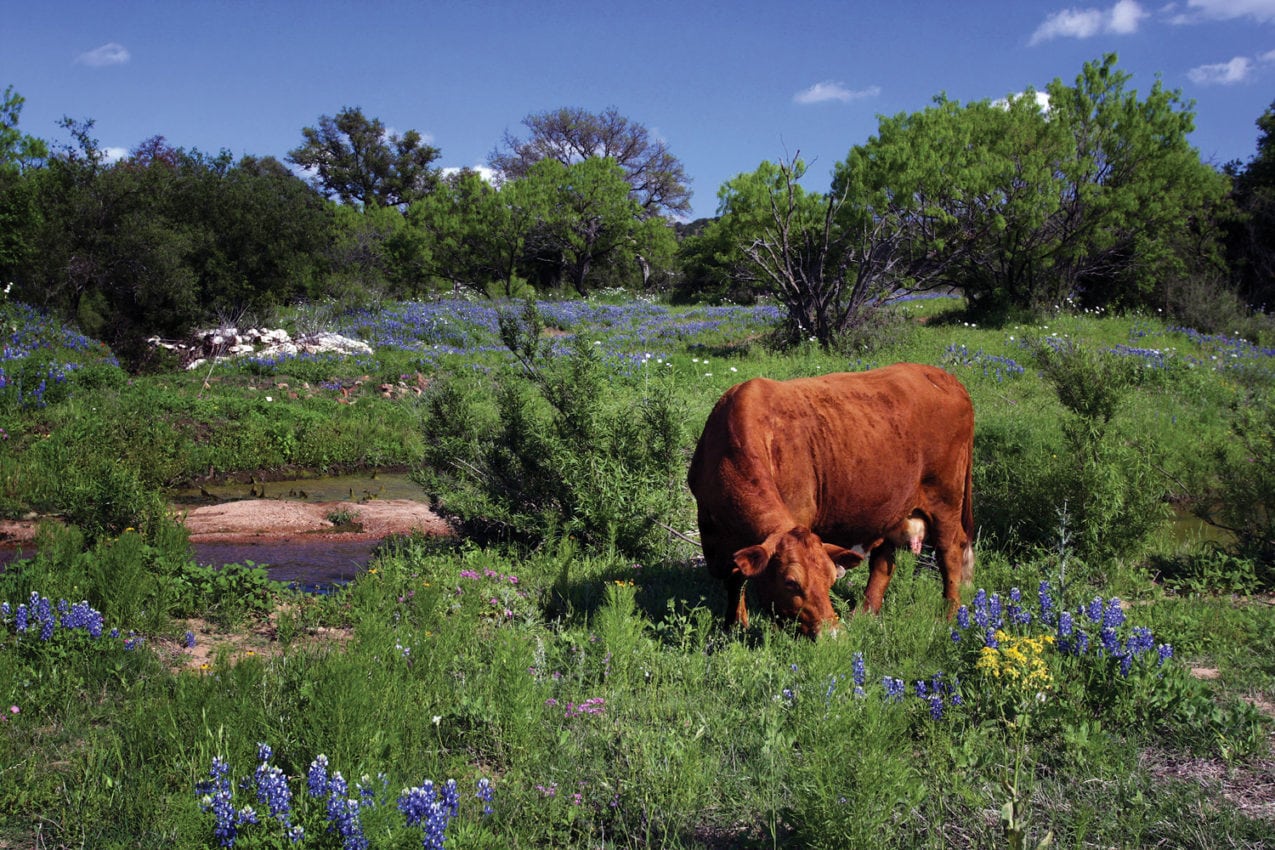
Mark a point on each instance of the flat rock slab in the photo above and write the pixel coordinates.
(280, 518)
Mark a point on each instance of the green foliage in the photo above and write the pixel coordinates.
(355, 160)
(566, 455)
(591, 222)
(130, 578)
(225, 594)
(656, 178)
(166, 239)
(1098, 198)
(1246, 489)
(1109, 489)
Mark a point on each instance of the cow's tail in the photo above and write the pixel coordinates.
(967, 519)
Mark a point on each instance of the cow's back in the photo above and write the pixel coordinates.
(846, 454)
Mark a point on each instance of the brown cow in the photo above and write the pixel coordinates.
(795, 481)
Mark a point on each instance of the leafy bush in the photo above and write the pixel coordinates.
(1108, 486)
(568, 453)
(1247, 478)
(104, 497)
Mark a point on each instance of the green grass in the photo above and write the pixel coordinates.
(596, 691)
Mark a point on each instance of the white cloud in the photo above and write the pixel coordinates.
(829, 90)
(1225, 10)
(108, 54)
(110, 155)
(483, 171)
(1041, 98)
(1121, 19)
(1222, 73)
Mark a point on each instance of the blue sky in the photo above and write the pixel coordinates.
(725, 84)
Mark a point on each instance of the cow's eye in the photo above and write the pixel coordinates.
(792, 586)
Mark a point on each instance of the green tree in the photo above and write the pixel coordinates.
(355, 160)
(478, 234)
(1251, 233)
(19, 153)
(657, 179)
(1023, 207)
(830, 259)
(592, 221)
(166, 239)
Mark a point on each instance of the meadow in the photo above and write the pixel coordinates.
(556, 675)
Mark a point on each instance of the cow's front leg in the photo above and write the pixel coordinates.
(880, 570)
(736, 604)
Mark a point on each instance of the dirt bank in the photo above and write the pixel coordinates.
(275, 519)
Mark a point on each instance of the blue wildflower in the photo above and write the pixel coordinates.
(1113, 616)
(936, 707)
(1044, 594)
(858, 669)
(894, 688)
(317, 777)
(484, 793)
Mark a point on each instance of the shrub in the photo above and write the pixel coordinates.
(1246, 492)
(567, 453)
(1109, 487)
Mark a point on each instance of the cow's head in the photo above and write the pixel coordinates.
(792, 573)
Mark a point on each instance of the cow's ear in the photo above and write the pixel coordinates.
(751, 561)
(845, 559)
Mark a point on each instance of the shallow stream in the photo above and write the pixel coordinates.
(310, 564)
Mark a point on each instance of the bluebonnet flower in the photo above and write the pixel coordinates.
(936, 706)
(217, 797)
(451, 797)
(1113, 616)
(894, 688)
(1165, 651)
(1110, 641)
(1140, 641)
(921, 689)
(484, 793)
(20, 619)
(858, 669)
(1065, 628)
(317, 777)
(963, 617)
(981, 618)
(422, 807)
(989, 638)
(273, 793)
(1095, 610)
(344, 814)
(189, 640)
(1046, 603)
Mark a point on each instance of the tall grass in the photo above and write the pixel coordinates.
(595, 692)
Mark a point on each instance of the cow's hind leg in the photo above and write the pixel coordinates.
(956, 560)
(880, 570)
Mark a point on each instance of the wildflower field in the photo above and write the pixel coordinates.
(556, 675)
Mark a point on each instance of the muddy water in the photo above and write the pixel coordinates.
(310, 564)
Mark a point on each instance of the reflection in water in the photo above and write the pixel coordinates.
(309, 565)
(334, 488)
